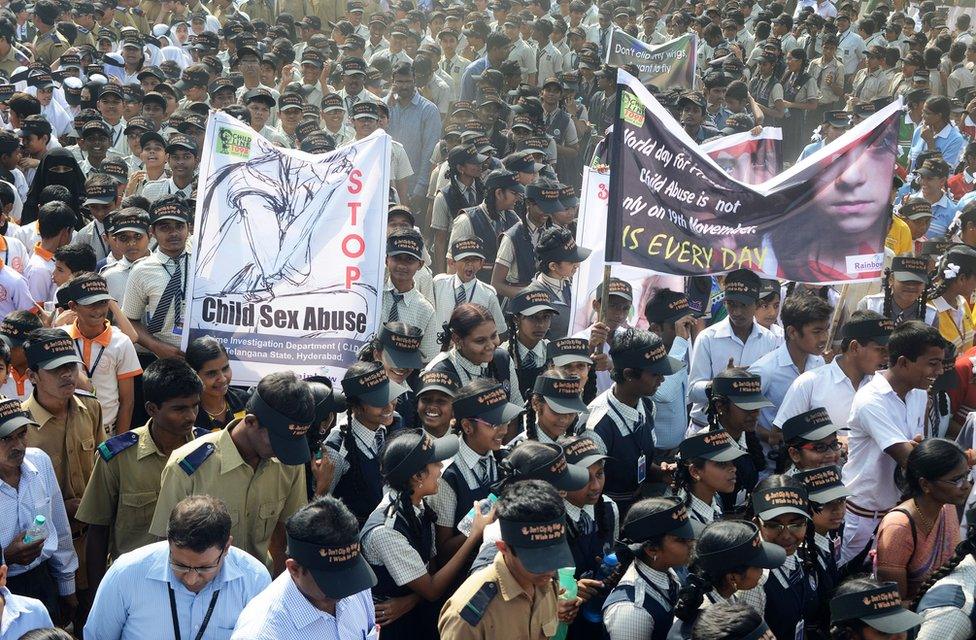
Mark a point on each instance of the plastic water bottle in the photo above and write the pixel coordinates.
(484, 506)
(37, 531)
(592, 609)
(567, 581)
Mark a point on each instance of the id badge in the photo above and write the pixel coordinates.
(178, 320)
(641, 469)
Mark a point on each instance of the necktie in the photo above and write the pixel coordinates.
(586, 524)
(574, 60)
(379, 439)
(529, 360)
(459, 295)
(173, 287)
(394, 311)
(484, 470)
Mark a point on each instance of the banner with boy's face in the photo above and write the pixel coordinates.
(673, 209)
(748, 158)
(671, 65)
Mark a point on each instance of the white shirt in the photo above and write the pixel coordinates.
(15, 293)
(879, 419)
(710, 356)
(281, 612)
(827, 387)
(476, 291)
(777, 372)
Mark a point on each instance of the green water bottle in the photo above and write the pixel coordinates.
(568, 582)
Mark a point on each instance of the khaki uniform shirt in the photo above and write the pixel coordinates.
(511, 614)
(122, 493)
(49, 47)
(12, 60)
(69, 441)
(257, 499)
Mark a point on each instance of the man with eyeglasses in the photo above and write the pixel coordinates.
(194, 584)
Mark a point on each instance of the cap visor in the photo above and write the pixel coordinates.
(550, 208)
(13, 424)
(545, 559)
(561, 361)
(290, 450)
(686, 531)
(502, 414)
(384, 396)
(726, 454)
(98, 201)
(446, 447)
(666, 367)
(820, 434)
(531, 311)
(167, 216)
(403, 252)
(404, 359)
(468, 254)
(566, 405)
(575, 478)
(782, 511)
(436, 387)
(897, 622)
(60, 361)
(908, 276)
(829, 495)
(518, 188)
(588, 461)
(100, 297)
(582, 253)
(347, 582)
(741, 297)
(767, 556)
(751, 402)
(142, 230)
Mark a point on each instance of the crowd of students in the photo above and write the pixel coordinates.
(792, 462)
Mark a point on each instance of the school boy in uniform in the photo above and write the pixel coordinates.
(450, 290)
(402, 301)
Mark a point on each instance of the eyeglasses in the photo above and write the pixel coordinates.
(778, 528)
(959, 482)
(823, 447)
(200, 571)
(490, 425)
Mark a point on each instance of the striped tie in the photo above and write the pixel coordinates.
(459, 295)
(394, 311)
(155, 324)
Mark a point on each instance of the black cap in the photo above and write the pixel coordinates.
(402, 350)
(545, 194)
(85, 290)
(563, 395)
(332, 102)
(742, 286)
(540, 546)
(327, 400)
(617, 289)
(582, 451)
(338, 571)
(880, 608)
(410, 244)
(530, 459)
(50, 352)
(934, 247)
(524, 162)
(557, 244)
(139, 124)
(365, 109)
(563, 351)
(100, 193)
(373, 388)
(410, 453)
(129, 219)
(934, 168)
(169, 208)
(777, 501)
(290, 100)
(503, 179)
(490, 405)
(13, 417)
(745, 393)
(717, 446)
(652, 356)
(532, 300)
(353, 66)
(839, 119)
(810, 425)
(181, 141)
(877, 330)
(671, 521)
(667, 306)
(13, 332)
(718, 555)
(193, 76)
(443, 381)
(260, 94)
(695, 98)
(467, 248)
(465, 154)
(768, 287)
(823, 484)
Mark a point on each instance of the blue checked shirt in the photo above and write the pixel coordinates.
(132, 602)
(417, 126)
(39, 494)
(21, 614)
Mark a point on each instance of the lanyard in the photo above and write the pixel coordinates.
(98, 358)
(176, 617)
(186, 264)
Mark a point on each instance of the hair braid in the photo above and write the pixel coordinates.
(530, 426)
(692, 594)
(963, 549)
(353, 455)
(682, 481)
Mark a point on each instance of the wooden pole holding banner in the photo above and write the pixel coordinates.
(605, 293)
(835, 318)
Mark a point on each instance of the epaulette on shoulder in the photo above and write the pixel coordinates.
(114, 446)
(192, 461)
(84, 394)
(200, 431)
(474, 609)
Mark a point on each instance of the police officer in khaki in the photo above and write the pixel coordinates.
(516, 596)
(121, 495)
(255, 465)
(48, 43)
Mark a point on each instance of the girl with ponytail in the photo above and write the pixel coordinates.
(827, 496)
(945, 600)
(354, 448)
(864, 609)
(470, 350)
(729, 563)
(734, 400)
(656, 537)
(919, 535)
(552, 409)
(706, 468)
(397, 348)
(794, 595)
(558, 257)
(530, 313)
(955, 282)
(397, 539)
(903, 292)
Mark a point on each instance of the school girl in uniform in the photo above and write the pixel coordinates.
(863, 609)
(481, 415)
(398, 537)
(731, 560)
(659, 536)
(827, 497)
(558, 257)
(903, 291)
(938, 413)
(810, 440)
(434, 398)
(354, 448)
(530, 315)
(470, 340)
(955, 283)
(734, 401)
(552, 408)
(572, 356)
(706, 468)
(779, 507)
(397, 348)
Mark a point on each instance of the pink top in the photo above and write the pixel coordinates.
(895, 549)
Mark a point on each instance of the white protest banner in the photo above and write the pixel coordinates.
(752, 159)
(668, 65)
(289, 248)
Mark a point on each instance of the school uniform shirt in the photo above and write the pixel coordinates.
(343, 136)
(446, 293)
(826, 387)
(39, 494)
(948, 608)
(525, 54)
(949, 142)
(875, 302)
(133, 596)
(585, 516)
(627, 613)
(15, 292)
(506, 252)
(477, 472)
(550, 62)
(21, 614)
(943, 212)
(791, 598)
(415, 310)
(366, 442)
(777, 372)
(120, 144)
(107, 358)
(389, 548)
(17, 386)
(955, 324)
(710, 356)
(372, 49)
(879, 419)
(39, 270)
(13, 252)
(281, 612)
(700, 510)
(147, 282)
(116, 274)
(851, 49)
(670, 400)
(155, 189)
(92, 235)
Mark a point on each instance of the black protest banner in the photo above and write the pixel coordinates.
(667, 66)
(674, 210)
